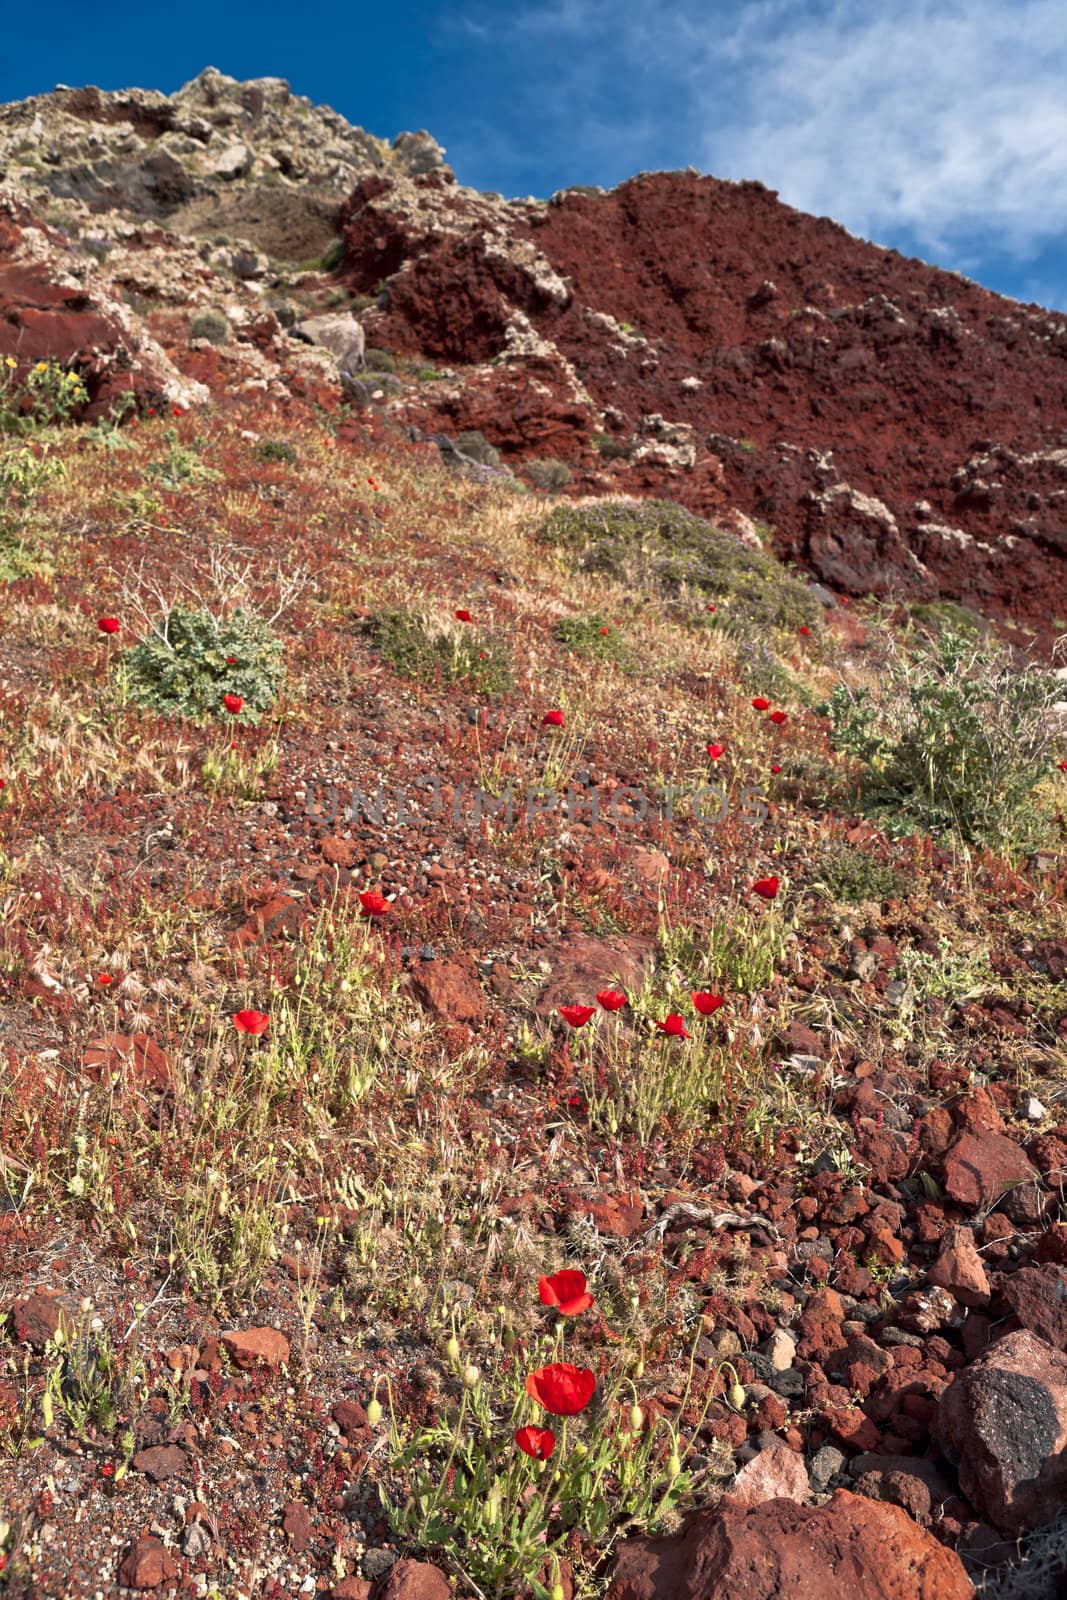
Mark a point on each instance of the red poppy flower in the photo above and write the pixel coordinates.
(561, 1388)
(463, 616)
(151, 411)
(373, 903)
(372, 483)
(577, 1016)
(109, 624)
(566, 1291)
(766, 888)
(104, 979)
(611, 999)
(536, 1442)
(605, 630)
(716, 750)
(1063, 766)
(778, 717)
(107, 1470)
(255, 1022)
(711, 608)
(177, 412)
(232, 702)
(3, 783)
(552, 719)
(707, 1004)
(231, 661)
(776, 770)
(760, 704)
(675, 1026)
(805, 631)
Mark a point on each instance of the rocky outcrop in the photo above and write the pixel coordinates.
(849, 1549)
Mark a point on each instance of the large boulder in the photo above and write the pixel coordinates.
(1002, 1422)
(849, 1549)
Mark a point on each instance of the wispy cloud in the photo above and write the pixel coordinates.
(943, 121)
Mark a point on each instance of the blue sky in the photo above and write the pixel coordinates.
(938, 127)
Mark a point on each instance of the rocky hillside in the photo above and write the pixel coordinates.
(893, 428)
(533, 1037)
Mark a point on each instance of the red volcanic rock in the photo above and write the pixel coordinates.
(146, 1565)
(582, 965)
(980, 1167)
(253, 1347)
(849, 1549)
(959, 1269)
(417, 1580)
(1002, 1422)
(906, 423)
(1038, 1297)
(450, 989)
(50, 311)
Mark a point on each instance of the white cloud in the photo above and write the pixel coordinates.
(942, 120)
(942, 123)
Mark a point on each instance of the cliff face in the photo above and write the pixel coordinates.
(903, 430)
(894, 428)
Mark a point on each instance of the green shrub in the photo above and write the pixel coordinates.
(211, 325)
(182, 667)
(854, 875)
(22, 474)
(941, 616)
(953, 738)
(473, 443)
(548, 474)
(379, 361)
(593, 636)
(761, 672)
(276, 450)
(180, 467)
(658, 544)
(332, 256)
(418, 646)
(611, 449)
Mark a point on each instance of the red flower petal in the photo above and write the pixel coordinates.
(552, 719)
(778, 717)
(675, 1026)
(562, 1388)
(233, 703)
(707, 1004)
(577, 1016)
(109, 624)
(611, 999)
(566, 1291)
(373, 903)
(463, 616)
(716, 750)
(536, 1442)
(760, 704)
(251, 1021)
(766, 888)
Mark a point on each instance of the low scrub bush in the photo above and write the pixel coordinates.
(548, 474)
(191, 659)
(420, 646)
(593, 636)
(210, 325)
(657, 544)
(854, 875)
(953, 738)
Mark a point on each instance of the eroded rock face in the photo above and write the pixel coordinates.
(841, 391)
(55, 306)
(849, 1549)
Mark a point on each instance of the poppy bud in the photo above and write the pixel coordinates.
(507, 1339)
(452, 1349)
(736, 1396)
(471, 1376)
(674, 1465)
(374, 1413)
(558, 1592)
(637, 1417)
(46, 1408)
(639, 1369)
(579, 1450)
